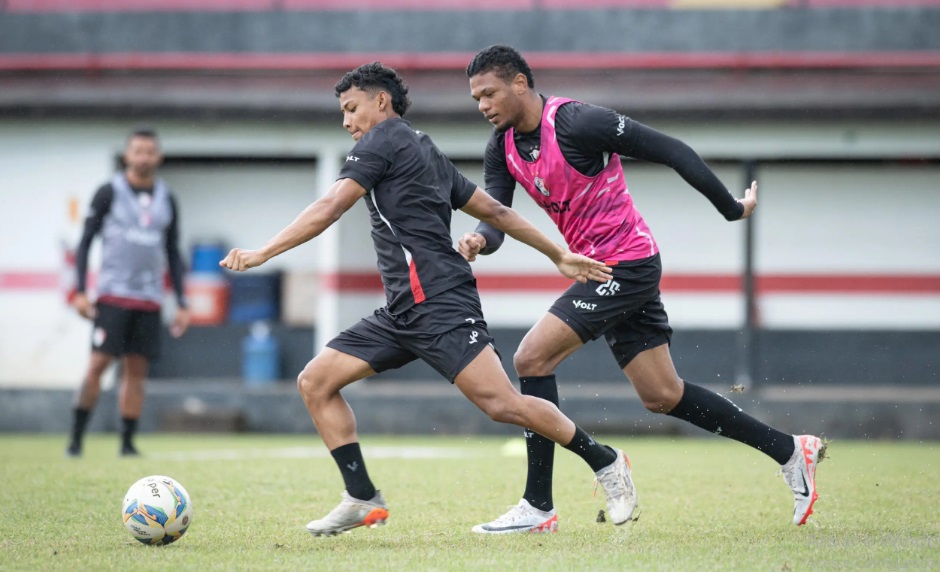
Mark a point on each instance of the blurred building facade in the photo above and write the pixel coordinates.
(834, 103)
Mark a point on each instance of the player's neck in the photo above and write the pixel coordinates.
(532, 117)
(138, 182)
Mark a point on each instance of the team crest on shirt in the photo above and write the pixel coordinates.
(540, 185)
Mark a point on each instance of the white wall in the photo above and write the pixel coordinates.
(844, 220)
(850, 220)
(242, 205)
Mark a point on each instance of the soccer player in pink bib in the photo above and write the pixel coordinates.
(566, 155)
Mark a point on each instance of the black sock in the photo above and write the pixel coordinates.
(353, 468)
(596, 455)
(80, 419)
(128, 428)
(540, 450)
(716, 413)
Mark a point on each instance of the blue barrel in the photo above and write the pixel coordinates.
(206, 257)
(261, 360)
(254, 296)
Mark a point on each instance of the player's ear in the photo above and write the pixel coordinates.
(383, 100)
(520, 84)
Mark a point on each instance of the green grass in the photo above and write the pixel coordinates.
(707, 504)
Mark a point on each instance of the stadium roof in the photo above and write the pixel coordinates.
(445, 93)
(251, 58)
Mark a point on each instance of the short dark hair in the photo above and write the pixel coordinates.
(373, 78)
(503, 60)
(144, 131)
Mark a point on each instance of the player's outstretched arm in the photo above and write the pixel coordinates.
(487, 209)
(312, 221)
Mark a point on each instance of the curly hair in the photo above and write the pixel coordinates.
(503, 60)
(373, 78)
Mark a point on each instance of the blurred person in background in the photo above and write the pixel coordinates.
(137, 217)
(566, 155)
(433, 309)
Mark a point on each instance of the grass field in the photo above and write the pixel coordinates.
(706, 504)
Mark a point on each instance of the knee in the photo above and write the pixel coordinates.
(310, 383)
(502, 411)
(528, 362)
(662, 399)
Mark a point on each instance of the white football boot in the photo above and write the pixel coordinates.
(521, 518)
(800, 474)
(622, 501)
(351, 513)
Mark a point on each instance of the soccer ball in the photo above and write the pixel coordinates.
(157, 510)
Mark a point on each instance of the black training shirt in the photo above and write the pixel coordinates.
(587, 136)
(413, 191)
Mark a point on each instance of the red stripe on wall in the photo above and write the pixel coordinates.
(841, 283)
(352, 282)
(730, 283)
(686, 283)
(30, 280)
(458, 61)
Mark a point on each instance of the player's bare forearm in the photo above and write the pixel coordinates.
(309, 224)
(513, 224)
(487, 209)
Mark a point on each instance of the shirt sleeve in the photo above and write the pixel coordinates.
(94, 220)
(598, 130)
(651, 145)
(173, 257)
(462, 188)
(369, 160)
(495, 171)
(500, 185)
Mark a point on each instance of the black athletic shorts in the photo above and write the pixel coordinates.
(627, 310)
(447, 331)
(120, 331)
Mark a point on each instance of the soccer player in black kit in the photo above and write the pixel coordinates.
(433, 309)
(566, 155)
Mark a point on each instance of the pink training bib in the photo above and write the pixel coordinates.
(595, 214)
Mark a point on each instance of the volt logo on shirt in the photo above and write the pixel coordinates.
(584, 305)
(555, 206)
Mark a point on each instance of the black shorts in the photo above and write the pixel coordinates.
(120, 331)
(627, 310)
(447, 331)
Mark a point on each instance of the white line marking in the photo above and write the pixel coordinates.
(378, 452)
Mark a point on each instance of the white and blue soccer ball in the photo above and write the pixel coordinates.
(157, 510)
